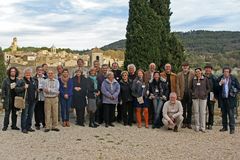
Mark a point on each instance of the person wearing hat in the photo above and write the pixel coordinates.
(212, 94)
(200, 88)
(183, 92)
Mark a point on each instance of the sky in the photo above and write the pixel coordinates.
(85, 24)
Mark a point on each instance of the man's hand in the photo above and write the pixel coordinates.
(66, 96)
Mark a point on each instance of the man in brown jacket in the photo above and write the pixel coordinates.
(170, 77)
(148, 75)
(184, 79)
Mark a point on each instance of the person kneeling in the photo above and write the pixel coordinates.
(172, 113)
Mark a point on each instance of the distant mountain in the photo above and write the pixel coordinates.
(199, 42)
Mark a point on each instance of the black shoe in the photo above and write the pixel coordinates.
(170, 129)
(232, 131)
(130, 124)
(55, 129)
(184, 126)
(31, 130)
(4, 129)
(106, 125)
(37, 128)
(92, 125)
(210, 127)
(223, 130)
(189, 126)
(25, 131)
(96, 125)
(111, 125)
(46, 130)
(125, 124)
(175, 129)
(153, 126)
(15, 128)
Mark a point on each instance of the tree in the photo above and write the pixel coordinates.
(148, 35)
(143, 35)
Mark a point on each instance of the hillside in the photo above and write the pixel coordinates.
(200, 42)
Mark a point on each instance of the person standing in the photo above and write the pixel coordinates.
(159, 91)
(39, 108)
(96, 64)
(126, 99)
(8, 96)
(117, 75)
(110, 90)
(140, 94)
(99, 115)
(28, 85)
(200, 88)
(51, 92)
(170, 77)
(66, 92)
(228, 88)
(172, 113)
(211, 100)
(80, 65)
(45, 69)
(92, 95)
(131, 72)
(184, 79)
(80, 87)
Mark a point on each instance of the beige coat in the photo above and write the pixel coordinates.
(173, 79)
(181, 83)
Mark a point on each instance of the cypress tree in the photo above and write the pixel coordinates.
(143, 35)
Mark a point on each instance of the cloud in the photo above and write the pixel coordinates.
(82, 24)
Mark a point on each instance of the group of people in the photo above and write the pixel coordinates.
(160, 98)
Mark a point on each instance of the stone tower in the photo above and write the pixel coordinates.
(14, 45)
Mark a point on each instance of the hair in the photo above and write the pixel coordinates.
(104, 65)
(60, 66)
(114, 63)
(80, 59)
(124, 72)
(9, 71)
(38, 67)
(131, 65)
(28, 69)
(91, 69)
(173, 93)
(44, 64)
(198, 68)
(141, 70)
(78, 70)
(226, 67)
(156, 72)
(166, 65)
(65, 70)
(110, 73)
(95, 61)
(152, 64)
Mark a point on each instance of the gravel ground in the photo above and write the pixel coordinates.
(120, 142)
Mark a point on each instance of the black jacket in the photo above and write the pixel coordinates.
(159, 89)
(125, 91)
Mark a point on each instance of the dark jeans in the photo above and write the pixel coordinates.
(12, 110)
(39, 114)
(158, 106)
(187, 109)
(99, 115)
(227, 108)
(127, 112)
(65, 107)
(27, 115)
(210, 106)
(151, 112)
(119, 112)
(108, 112)
(80, 112)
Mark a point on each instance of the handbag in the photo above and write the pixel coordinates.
(19, 102)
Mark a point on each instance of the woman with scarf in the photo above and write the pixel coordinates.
(80, 86)
(93, 93)
(66, 87)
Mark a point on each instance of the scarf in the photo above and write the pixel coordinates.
(95, 82)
